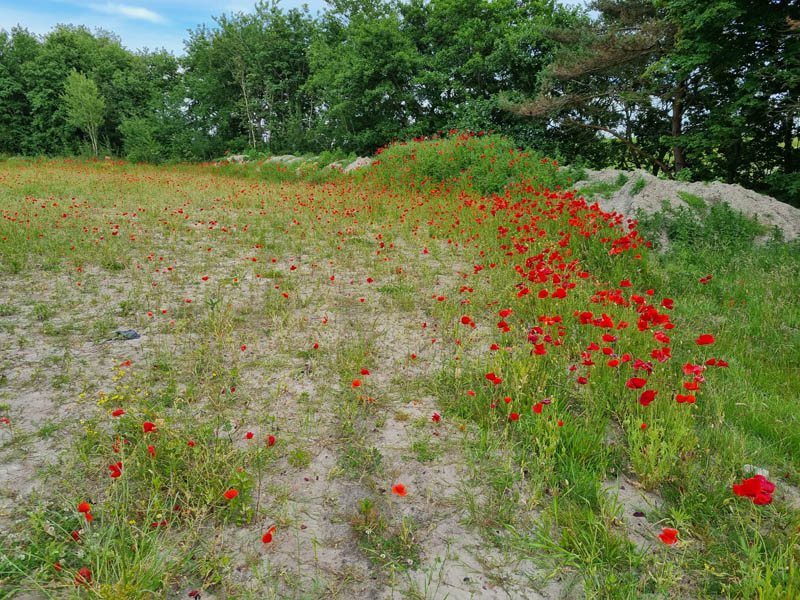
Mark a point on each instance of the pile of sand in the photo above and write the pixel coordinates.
(627, 201)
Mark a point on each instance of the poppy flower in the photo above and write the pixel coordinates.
(514, 416)
(116, 470)
(267, 537)
(190, 443)
(436, 418)
(399, 489)
(271, 440)
(118, 413)
(244, 347)
(148, 427)
(668, 535)
(647, 397)
(365, 371)
(84, 576)
(635, 383)
(537, 408)
(152, 451)
(688, 398)
(356, 383)
(84, 507)
(757, 488)
(704, 339)
(231, 494)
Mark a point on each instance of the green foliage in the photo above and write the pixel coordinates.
(696, 202)
(139, 140)
(719, 227)
(84, 105)
(638, 186)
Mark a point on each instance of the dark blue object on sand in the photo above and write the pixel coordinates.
(127, 334)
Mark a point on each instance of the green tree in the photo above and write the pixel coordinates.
(85, 106)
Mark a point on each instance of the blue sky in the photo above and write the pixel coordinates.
(138, 23)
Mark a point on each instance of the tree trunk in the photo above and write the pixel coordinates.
(251, 132)
(788, 144)
(677, 124)
(92, 131)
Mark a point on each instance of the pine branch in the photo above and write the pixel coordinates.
(624, 140)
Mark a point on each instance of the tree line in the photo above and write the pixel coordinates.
(687, 89)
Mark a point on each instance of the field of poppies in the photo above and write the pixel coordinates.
(449, 374)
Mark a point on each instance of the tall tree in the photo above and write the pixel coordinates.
(84, 105)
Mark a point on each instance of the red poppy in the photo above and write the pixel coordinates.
(231, 494)
(148, 427)
(436, 418)
(513, 416)
(152, 451)
(356, 383)
(116, 470)
(84, 507)
(636, 383)
(537, 408)
(190, 443)
(267, 537)
(84, 576)
(399, 489)
(249, 435)
(271, 440)
(647, 397)
(704, 339)
(668, 536)
(244, 347)
(365, 371)
(118, 413)
(688, 398)
(757, 488)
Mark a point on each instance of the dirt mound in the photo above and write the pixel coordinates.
(642, 191)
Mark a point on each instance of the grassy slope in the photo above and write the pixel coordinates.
(457, 219)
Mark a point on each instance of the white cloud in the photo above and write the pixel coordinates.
(131, 12)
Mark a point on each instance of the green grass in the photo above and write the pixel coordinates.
(261, 347)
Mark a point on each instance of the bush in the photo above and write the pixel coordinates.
(139, 139)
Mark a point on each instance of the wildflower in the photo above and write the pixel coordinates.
(436, 418)
(267, 537)
(636, 383)
(757, 488)
(231, 494)
(668, 535)
(399, 489)
(647, 397)
(84, 576)
(148, 427)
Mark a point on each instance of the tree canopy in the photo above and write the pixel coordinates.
(691, 89)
